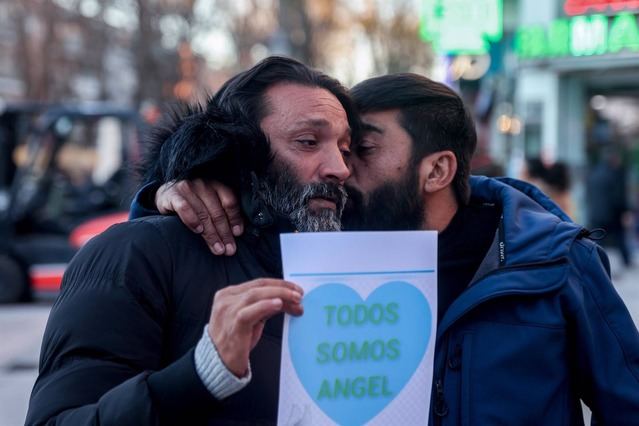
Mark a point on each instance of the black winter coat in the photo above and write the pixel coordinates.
(118, 347)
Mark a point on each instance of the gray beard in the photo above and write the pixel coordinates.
(281, 191)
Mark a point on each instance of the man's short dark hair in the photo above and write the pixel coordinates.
(244, 93)
(536, 168)
(223, 139)
(432, 114)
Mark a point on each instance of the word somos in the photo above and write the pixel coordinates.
(376, 350)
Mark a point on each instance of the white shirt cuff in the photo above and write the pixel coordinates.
(216, 377)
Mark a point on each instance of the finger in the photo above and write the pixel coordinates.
(185, 211)
(163, 200)
(231, 207)
(219, 221)
(205, 226)
(257, 294)
(295, 309)
(257, 312)
(263, 282)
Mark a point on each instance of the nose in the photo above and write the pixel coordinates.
(334, 167)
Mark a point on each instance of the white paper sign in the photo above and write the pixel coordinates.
(362, 353)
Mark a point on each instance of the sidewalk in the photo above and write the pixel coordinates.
(21, 330)
(626, 282)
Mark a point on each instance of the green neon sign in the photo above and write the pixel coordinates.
(461, 26)
(579, 36)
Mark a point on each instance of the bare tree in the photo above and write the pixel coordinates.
(34, 23)
(394, 38)
(322, 33)
(157, 68)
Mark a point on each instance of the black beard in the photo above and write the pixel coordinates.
(391, 207)
(283, 193)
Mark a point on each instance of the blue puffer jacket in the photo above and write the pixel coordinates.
(539, 328)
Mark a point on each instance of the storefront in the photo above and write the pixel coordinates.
(577, 88)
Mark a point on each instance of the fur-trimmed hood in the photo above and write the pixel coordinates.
(204, 142)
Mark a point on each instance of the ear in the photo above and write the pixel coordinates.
(437, 171)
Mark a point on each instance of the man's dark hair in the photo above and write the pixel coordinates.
(558, 176)
(223, 140)
(432, 114)
(244, 93)
(536, 168)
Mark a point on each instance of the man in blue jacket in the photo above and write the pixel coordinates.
(529, 322)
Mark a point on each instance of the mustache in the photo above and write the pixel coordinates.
(330, 191)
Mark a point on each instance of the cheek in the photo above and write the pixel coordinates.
(366, 174)
(302, 167)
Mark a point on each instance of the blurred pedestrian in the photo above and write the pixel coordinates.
(557, 186)
(553, 180)
(607, 202)
(534, 172)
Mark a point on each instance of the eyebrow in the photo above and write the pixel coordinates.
(367, 127)
(312, 122)
(315, 122)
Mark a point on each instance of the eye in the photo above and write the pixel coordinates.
(306, 142)
(364, 150)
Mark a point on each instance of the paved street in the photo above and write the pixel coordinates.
(21, 328)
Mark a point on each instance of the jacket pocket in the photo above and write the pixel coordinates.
(514, 374)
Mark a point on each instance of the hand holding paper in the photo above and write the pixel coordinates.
(238, 315)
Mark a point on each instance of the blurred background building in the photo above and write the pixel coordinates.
(577, 88)
(553, 80)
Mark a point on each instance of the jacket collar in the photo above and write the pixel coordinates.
(533, 228)
(528, 254)
(264, 241)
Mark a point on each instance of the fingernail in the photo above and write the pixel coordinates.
(199, 229)
(297, 295)
(218, 248)
(237, 230)
(230, 249)
(277, 302)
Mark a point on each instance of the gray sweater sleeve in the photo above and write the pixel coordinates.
(212, 371)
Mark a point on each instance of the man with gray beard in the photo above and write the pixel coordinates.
(149, 327)
(281, 191)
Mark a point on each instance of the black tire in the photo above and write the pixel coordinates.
(14, 286)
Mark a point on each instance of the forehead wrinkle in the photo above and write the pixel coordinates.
(322, 110)
(313, 122)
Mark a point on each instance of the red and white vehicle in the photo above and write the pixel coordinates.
(73, 179)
